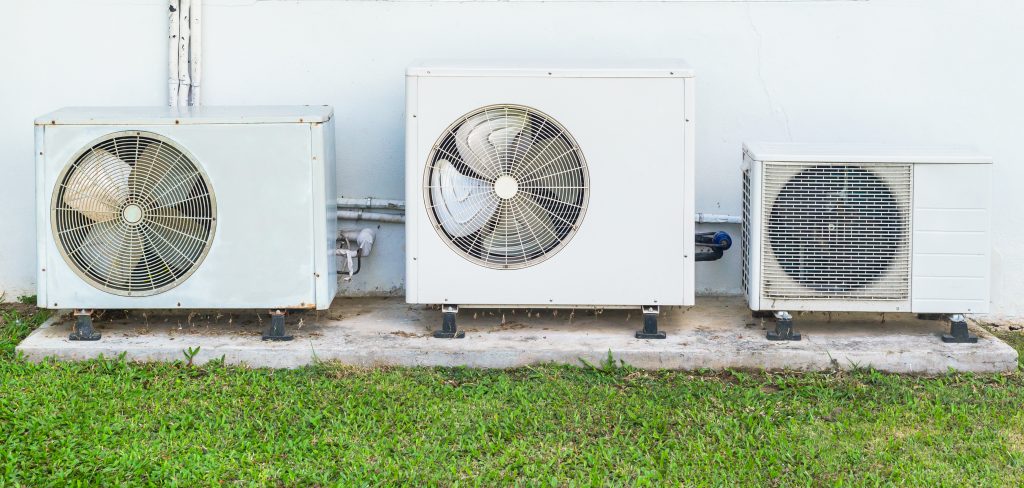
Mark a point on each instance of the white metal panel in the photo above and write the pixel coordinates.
(325, 209)
(262, 253)
(413, 188)
(951, 238)
(574, 68)
(204, 114)
(42, 217)
(629, 132)
(862, 153)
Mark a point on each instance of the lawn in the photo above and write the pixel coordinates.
(109, 422)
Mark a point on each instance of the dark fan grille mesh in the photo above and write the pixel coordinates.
(837, 231)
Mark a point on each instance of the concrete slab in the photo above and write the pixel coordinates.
(718, 333)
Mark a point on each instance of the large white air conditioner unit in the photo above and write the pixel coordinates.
(865, 228)
(207, 207)
(550, 185)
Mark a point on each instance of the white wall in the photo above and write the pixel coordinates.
(928, 71)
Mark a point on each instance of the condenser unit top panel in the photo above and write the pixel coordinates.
(638, 68)
(862, 153)
(283, 114)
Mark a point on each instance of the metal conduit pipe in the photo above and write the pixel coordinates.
(371, 203)
(708, 218)
(357, 215)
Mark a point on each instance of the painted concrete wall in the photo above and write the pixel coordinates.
(926, 71)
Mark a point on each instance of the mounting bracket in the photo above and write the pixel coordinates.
(276, 331)
(958, 332)
(650, 330)
(449, 329)
(82, 330)
(783, 328)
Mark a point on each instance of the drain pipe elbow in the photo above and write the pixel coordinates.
(363, 237)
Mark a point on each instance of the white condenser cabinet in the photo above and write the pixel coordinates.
(205, 207)
(550, 184)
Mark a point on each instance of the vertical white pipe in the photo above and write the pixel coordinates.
(196, 48)
(184, 35)
(172, 53)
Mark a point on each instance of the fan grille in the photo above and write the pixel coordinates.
(133, 214)
(506, 186)
(837, 231)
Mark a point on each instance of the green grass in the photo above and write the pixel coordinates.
(107, 422)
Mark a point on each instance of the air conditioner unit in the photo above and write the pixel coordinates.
(550, 185)
(865, 228)
(211, 207)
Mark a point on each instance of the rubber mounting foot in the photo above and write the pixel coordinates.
(276, 331)
(650, 330)
(83, 330)
(958, 334)
(783, 332)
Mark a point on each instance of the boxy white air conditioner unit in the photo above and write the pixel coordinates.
(550, 185)
(865, 228)
(211, 207)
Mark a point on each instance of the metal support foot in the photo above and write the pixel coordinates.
(449, 330)
(650, 330)
(276, 331)
(82, 330)
(761, 314)
(783, 328)
(958, 332)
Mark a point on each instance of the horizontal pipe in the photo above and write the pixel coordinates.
(707, 218)
(370, 202)
(361, 204)
(374, 216)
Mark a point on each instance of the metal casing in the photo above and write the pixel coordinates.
(634, 124)
(272, 171)
(945, 235)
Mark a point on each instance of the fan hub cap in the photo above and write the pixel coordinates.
(132, 213)
(506, 187)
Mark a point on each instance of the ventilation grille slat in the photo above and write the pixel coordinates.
(745, 233)
(835, 231)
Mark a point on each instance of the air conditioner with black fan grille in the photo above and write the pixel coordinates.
(207, 207)
(550, 184)
(865, 228)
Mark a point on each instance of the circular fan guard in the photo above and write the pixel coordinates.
(133, 214)
(831, 228)
(506, 186)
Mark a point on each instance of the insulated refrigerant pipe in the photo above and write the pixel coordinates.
(370, 203)
(374, 216)
(707, 218)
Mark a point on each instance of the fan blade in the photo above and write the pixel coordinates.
(481, 140)
(174, 238)
(462, 204)
(501, 239)
(98, 185)
(543, 158)
(537, 221)
(107, 257)
(151, 177)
